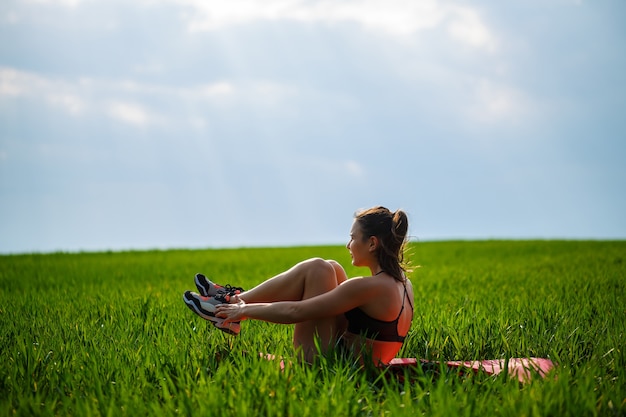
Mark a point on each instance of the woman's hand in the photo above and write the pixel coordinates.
(231, 312)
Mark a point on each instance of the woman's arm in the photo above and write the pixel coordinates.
(350, 294)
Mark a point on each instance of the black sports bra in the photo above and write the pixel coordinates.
(385, 331)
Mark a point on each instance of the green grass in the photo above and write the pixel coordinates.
(108, 334)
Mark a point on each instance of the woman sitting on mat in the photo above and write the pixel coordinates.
(367, 316)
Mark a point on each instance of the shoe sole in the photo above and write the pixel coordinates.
(194, 305)
(200, 280)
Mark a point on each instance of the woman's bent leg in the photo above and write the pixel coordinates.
(324, 331)
(305, 280)
(291, 284)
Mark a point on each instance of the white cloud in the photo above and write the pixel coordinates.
(394, 17)
(70, 102)
(59, 94)
(132, 113)
(467, 27)
(271, 93)
(354, 168)
(495, 103)
(221, 88)
(65, 3)
(124, 100)
(15, 83)
(398, 17)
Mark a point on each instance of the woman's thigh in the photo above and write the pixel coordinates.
(321, 333)
(302, 281)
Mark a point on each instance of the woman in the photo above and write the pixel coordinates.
(368, 316)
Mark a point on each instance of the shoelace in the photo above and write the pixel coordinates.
(224, 293)
(229, 289)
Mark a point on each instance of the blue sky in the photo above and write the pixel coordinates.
(202, 123)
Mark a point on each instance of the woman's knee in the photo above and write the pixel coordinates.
(340, 273)
(319, 266)
(321, 277)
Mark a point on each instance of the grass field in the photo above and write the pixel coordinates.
(108, 334)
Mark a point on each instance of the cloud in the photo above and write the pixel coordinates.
(65, 3)
(217, 89)
(70, 102)
(396, 16)
(393, 17)
(495, 102)
(467, 27)
(463, 111)
(73, 97)
(132, 113)
(125, 101)
(15, 83)
(225, 105)
(354, 168)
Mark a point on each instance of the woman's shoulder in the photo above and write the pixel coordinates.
(372, 284)
(363, 283)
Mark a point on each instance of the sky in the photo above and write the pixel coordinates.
(202, 123)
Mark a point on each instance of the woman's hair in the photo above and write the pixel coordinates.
(391, 230)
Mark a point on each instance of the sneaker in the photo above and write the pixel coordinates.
(208, 288)
(205, 308)
(202, 306)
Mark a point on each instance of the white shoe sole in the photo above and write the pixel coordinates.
(198, 307)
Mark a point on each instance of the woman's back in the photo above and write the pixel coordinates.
(382, 324)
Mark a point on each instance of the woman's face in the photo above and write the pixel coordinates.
(358, 246)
